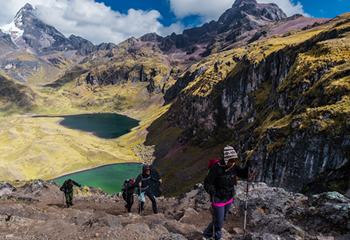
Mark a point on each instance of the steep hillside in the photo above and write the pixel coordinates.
(282, 102)
(15, 96)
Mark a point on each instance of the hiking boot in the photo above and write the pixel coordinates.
(67, 205)
(72, 204)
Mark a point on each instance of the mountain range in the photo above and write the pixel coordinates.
(274, 87)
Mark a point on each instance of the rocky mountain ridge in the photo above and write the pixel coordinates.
(27, 31)
(275, 88)
(36, 210)
(271, 106)
(240, 23)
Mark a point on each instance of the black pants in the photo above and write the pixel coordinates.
(150, 195)
(129, 199)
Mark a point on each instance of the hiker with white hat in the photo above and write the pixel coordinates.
(220, 185)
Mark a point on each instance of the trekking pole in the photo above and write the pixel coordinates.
(212, 207)
(246, 203)
(140, 209)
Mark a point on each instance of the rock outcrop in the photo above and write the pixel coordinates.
(36, 210)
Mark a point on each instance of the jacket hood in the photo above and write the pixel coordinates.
(144, 169)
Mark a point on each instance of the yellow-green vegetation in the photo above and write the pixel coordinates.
(34, 69)
(329, 119)
(15, 97)
(33, 148)
(216, 67)
(320, 75)
(84, 192)
(324, 74)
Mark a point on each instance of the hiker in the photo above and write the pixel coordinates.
(142, 181)
(219, 183)
(128, 193)
(67, 188)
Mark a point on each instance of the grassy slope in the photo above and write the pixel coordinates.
(41, 148)
(42, 72)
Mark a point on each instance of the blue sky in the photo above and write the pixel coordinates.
(314, 8)
(117, 20)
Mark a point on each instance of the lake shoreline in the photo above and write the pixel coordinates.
(85, 169)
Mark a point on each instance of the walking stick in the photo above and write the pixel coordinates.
(212, 207)
(140, 209)
(63, 200)
(246, 203)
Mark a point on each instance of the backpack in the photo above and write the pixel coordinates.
(64, 186)
(212, 162)
(128, 188)
(126, 185)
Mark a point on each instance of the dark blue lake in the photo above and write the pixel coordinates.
(103, 125)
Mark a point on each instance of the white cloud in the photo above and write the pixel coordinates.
(208, 9)
(287, 6)
(211, 10)
(91, 20)
(99, 23)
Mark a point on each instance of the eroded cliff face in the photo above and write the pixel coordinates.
(286, 109)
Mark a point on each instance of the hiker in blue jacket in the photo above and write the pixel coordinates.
(220, 184)
(142, 181)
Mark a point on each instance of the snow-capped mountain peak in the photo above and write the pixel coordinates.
(16, 28)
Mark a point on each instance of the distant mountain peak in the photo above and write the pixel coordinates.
(240, 2)
(28, 31)
(16, 28)
(18, 20)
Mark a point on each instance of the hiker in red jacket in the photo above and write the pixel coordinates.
(220, 184)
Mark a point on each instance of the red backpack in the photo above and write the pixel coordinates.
(212, 162)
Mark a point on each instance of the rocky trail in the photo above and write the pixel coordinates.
(36, 210)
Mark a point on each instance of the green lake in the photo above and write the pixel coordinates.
(110, 178)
